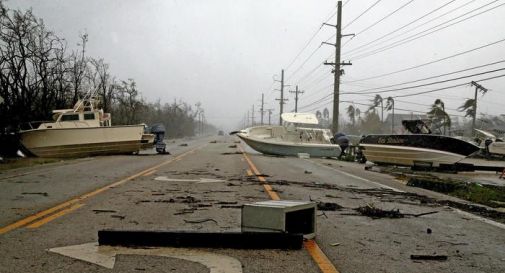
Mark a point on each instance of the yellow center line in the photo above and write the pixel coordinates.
(80, 198)
(54, 216)
(322, 261)
(149, 173)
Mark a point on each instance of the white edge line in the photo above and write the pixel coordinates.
(357, 177)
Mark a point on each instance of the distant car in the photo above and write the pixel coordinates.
(220, 133)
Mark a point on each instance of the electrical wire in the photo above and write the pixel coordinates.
(431, 62)
(426, 84)
(431, 77)
(384, 18)
(413, 37)
(369, 8)
(406, 25)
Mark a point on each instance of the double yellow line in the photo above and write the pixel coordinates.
(322, 261)
(40, 218)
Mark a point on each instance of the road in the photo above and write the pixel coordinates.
(201, 187)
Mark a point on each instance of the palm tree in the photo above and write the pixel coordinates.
(351, 112)
(438, 115)
(470, 105)
(390, 105)
(375, 103)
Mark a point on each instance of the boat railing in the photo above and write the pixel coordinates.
(30, 125)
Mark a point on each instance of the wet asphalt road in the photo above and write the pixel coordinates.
(74, 199)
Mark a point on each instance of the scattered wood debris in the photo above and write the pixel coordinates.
(232, 146)
(213, 141)
(429, 257)
(328, 206)
(371, 211)
(232, 153)
(96, 211)
(307, 172)
(200, 221)
(183, 144)
(36, 193)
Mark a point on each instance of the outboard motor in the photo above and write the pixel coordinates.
(343, 141)
(488, 142)
(159, 134)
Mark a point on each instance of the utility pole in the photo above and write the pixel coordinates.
(247, 118)
(281, 99)
(484, 90)
(296, 97)
(269, 115)
(252, 116)
(337, 70)
(262, 110)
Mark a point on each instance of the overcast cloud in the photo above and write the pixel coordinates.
(224, 53)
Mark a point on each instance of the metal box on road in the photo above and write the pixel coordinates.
(281, 216)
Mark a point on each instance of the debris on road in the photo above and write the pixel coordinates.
(227, 203)
(183, 144)
(232, 153)
(213, 141)
(371, 211)
(96, 211)
(234, 240)
(231, 206)
(334, 244)
(328, 206)
(232, 146)
(428, 230)
(429, 257)
(36, 193)
(120, 217)
(307, 172)
(200, 221)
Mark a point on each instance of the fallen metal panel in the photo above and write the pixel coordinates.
(237, 240)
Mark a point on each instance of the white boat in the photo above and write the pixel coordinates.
(294, 137)
(420, 148)
(491, 143)
(82, 131)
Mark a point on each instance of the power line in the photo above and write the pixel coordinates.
(406, 40)
(406, 25)
(431, 62)
(369, 8)
(426, 84)
(310, 40)
(448, 87)
(432, 77)
(384, 18)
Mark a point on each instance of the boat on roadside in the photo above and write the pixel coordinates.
(298, 135)
(490, 143)
(420, 148)
(84, 130)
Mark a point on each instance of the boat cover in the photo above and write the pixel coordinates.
(305, 118)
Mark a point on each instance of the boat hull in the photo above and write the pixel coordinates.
(81, 142)
(408, 156)
(291, 149)
(497, 148)
(410, 150)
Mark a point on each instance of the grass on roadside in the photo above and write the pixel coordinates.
(15, 163)
(489, 195)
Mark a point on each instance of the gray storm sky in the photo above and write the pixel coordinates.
(224, 53)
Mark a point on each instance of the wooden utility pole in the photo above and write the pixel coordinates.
(477, 88)
(262, 110)
(269, 115)
(296, 97)
(281, 99)
(337, 72)
(252, 116)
